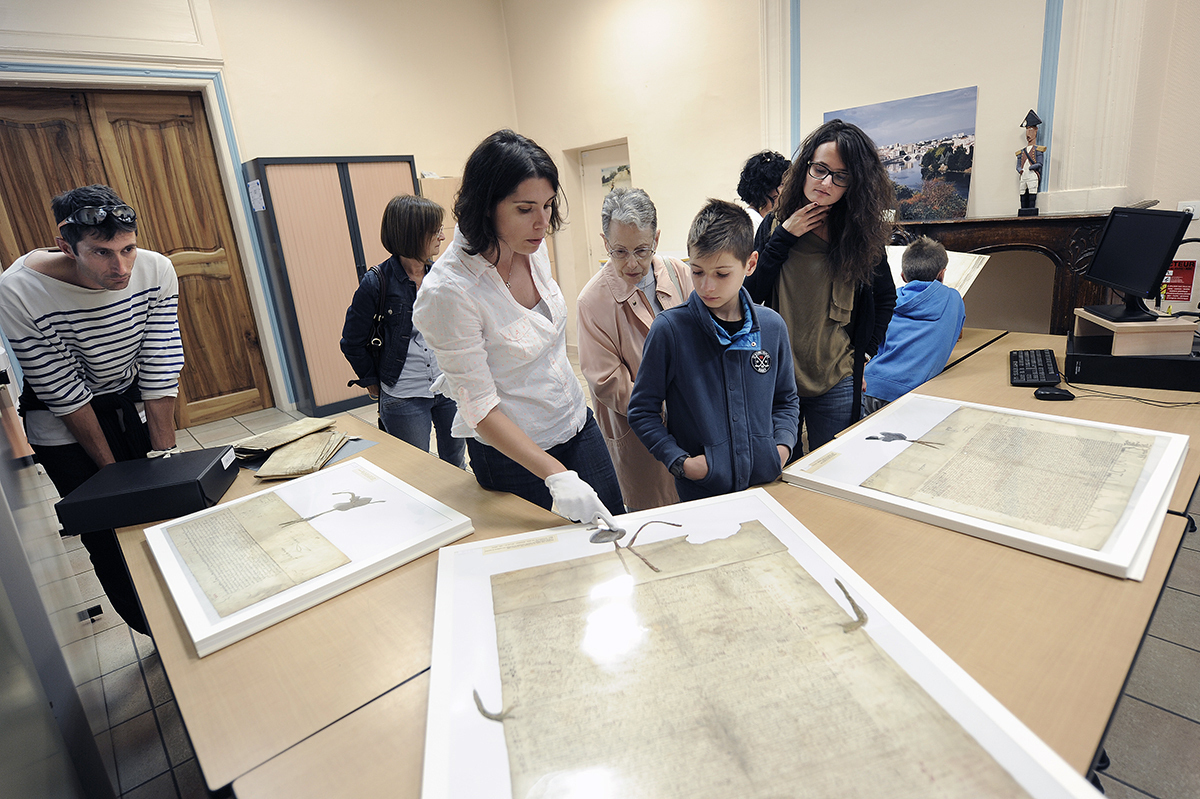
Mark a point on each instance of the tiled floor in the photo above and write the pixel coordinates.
(1153, 743)
(145, 745)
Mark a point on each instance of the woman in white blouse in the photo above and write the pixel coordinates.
(496, 320)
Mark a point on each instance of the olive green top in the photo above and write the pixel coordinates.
(817, 310)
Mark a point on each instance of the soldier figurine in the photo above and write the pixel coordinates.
(1029, 165)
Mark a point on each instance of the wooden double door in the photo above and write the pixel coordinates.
(155, 149)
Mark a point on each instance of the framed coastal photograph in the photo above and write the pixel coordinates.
(241, 566)
(1085, 493)
(717, 649)
(927, 144)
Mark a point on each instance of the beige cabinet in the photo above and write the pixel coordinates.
(318, 220)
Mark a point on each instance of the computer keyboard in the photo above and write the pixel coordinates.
(1033, 368)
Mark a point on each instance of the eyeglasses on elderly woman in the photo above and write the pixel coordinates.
(622, 254)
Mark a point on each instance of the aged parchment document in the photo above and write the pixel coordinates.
(302, 456)
(1063, 481)
(252, 550)
(726, 674)
(253, 446)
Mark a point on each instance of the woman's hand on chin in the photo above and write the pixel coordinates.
(806, 218)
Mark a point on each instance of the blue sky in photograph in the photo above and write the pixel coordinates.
(914, 118)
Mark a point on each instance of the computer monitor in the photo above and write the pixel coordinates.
(1135, 250)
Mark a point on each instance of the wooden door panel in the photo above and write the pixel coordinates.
(155, 149)
(49, 147)
(156, 146)
(213, 334)
(161, 158)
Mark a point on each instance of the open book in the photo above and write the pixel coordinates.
(960, 272)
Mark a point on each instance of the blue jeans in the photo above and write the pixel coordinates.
(872, 404)
(586, 454)
(408, 419)
(828, 414)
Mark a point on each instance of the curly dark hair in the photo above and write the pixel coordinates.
(858, 231)
(501, 163)
(761, 175)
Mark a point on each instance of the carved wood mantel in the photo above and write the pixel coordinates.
(1068, 240)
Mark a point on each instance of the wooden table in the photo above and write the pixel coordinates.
(973, 340)
(247, 703)
(984, 378)
(1052, 642)
(377, 751)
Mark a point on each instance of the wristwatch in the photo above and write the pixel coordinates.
(676, 468)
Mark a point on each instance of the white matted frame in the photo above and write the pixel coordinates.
(466, 657)
(401, 525)
(840, 467)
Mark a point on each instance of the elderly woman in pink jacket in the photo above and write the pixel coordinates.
(616, 309)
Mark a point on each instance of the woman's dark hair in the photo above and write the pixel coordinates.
(408, 224)
(498, 166)
(761, 175)
(857, 230)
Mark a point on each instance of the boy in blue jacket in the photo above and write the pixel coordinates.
(723, 366)
(927, 322)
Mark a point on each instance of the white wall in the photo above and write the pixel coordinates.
(1176, 167)
(682, 81)
(679, 79)
(855, 54)
(1125, 117)
(366, 77)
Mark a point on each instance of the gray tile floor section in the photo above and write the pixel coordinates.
(1153, 742)
(145, 745)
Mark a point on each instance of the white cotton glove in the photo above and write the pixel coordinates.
(577, 500)
(160, 453)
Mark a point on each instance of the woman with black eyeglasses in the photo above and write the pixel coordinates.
(823, 266)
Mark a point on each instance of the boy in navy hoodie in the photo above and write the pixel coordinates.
(928, 320)
(723, 366)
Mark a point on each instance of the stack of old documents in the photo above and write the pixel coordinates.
(302, 447)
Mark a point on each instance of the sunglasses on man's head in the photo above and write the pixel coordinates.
(92, 215)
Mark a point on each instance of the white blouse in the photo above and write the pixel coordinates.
(494, 352)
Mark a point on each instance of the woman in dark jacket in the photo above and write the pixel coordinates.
(822, 265)
(402, 374)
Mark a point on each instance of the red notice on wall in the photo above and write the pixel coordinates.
(1179, 282)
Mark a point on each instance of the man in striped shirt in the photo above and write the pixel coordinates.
(94, 325)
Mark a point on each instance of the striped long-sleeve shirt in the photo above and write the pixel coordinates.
(73, 343)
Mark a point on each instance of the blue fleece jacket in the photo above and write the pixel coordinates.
(730, 398)
(924, 328)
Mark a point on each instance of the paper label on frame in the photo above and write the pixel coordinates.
(508, 546)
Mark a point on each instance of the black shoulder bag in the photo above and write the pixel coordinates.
(374, 345)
